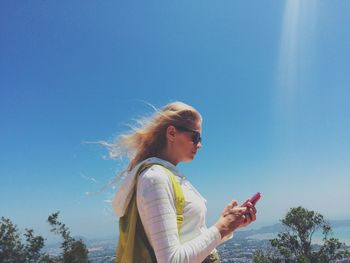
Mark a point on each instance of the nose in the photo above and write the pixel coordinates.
(199, 145)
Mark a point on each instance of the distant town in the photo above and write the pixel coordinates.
(236, 250)
(239, 249)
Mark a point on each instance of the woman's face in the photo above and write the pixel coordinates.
(185, 144)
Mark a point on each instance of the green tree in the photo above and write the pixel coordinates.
(33, 246)
(74, 251)
(12, 250)
(295, 243)
(261, 257)
(11, 247)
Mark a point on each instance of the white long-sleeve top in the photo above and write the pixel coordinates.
(155, 202)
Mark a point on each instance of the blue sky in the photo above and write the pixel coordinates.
(271, 79)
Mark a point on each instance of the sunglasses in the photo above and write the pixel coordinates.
(196, 136)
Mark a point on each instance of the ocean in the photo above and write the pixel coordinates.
(341, 232)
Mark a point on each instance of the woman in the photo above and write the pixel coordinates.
(172, 135)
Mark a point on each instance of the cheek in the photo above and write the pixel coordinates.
(184, 145)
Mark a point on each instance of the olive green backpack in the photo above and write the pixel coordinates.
(133, 245)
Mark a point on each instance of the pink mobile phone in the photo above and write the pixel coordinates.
(254, 199)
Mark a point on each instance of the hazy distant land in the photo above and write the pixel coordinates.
(239, 249)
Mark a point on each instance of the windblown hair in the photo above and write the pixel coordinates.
(149, 138)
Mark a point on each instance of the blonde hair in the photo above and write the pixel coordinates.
(148, 139)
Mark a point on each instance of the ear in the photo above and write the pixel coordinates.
(170, 133)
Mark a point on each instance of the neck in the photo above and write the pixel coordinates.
(167, 156)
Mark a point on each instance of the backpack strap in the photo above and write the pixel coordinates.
(179, 199)
(178, 193)
(133, 245)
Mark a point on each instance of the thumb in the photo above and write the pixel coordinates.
(233, 203)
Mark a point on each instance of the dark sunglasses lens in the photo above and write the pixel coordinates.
(196, 138)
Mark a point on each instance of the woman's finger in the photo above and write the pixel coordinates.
(238, 210)
(244, 218)
(253, 217)
(225, 211)
(234, 203)
(235, 211)
(254, 209)
(249, 217)
(249, 205)
(251, 208)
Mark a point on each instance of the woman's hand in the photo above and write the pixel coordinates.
(234, 217)
(231, 218)
(250, 214)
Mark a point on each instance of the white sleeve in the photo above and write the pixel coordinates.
(228, 237)
(155, 201)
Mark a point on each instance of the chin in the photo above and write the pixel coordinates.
(191, 157)
(188, 159)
